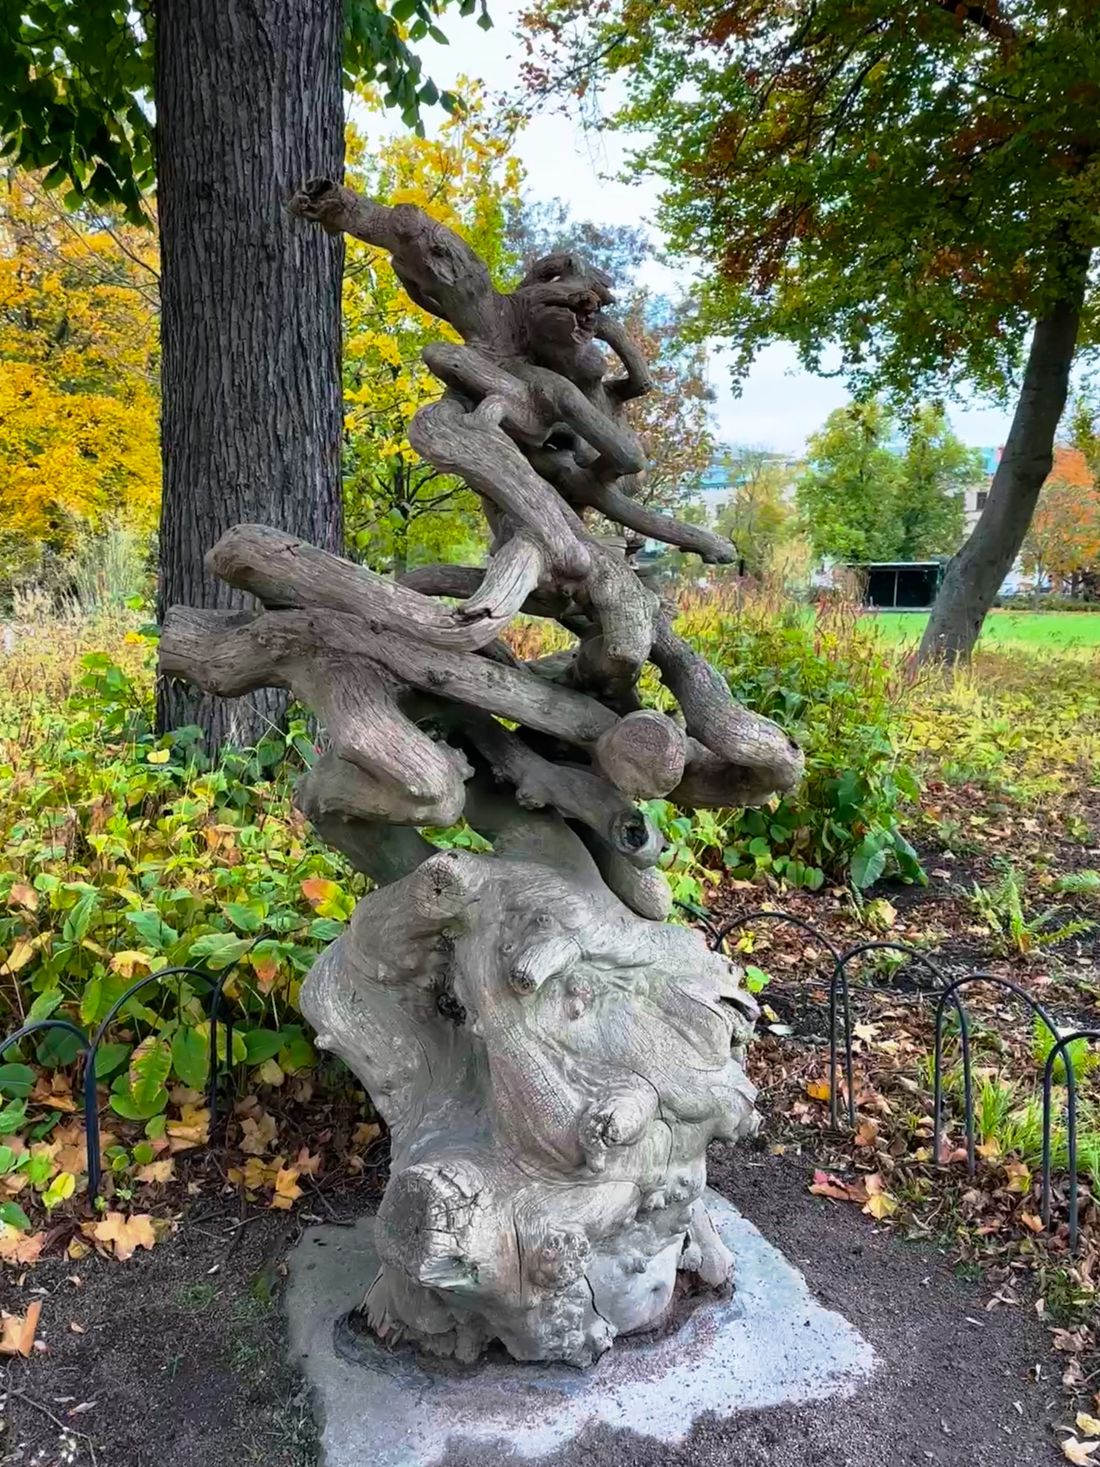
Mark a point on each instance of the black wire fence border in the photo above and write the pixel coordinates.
(946, 991)
(90, 1041)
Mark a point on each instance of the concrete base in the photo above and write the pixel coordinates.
(772, 1344)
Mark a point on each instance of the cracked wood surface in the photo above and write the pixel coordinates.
(551, 1055)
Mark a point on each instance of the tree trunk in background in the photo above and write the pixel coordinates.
(975, 574)
(249, 103)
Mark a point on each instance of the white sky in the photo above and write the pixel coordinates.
(780, 404)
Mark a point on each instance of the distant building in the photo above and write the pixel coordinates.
(974, 500)
(719, 482)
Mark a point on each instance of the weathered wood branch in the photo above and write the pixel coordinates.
(404, 776)
(472, 445)
(582, 487)
(574, 792)
(231, 653)
(717, 720)
(283, 571)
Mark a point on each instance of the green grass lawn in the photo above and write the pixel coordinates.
(1062, 631)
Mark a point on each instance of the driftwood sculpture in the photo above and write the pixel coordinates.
(551, 1057)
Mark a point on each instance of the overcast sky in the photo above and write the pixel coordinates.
(779, 403)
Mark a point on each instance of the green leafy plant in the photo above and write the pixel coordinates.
(1001, 907)
(825, 679)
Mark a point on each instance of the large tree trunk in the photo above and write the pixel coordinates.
(249, 100)
(975, 574)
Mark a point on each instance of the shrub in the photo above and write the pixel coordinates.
(829, 681)
(122, 853)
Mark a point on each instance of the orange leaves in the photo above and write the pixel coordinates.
(17, 1247)
(17, 1331)
(869, 1192)
(124, 1234)
(1064, 535)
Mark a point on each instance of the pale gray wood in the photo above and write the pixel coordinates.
(551, 1055)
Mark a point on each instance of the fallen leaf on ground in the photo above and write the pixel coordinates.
(258, 1134)
(192, 1128)
(817, 1089)
(1032, 1221)
(824, 1185)
(881, 1204)
(157, 1171)
(1079, 1452)
(17, 1247)
(126, 1233)
(18, 1330)
(24, 896)
(287, 1190)
(309, 1165)
(1087, 1425)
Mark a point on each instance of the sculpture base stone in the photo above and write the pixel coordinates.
(771, 1344)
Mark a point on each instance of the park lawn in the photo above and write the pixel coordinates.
(1063, 631)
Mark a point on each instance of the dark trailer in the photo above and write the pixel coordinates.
(901, 585)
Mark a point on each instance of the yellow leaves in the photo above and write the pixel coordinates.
(1078, 1452)
(156, 1173)
(817, 1089)
(192, 1128)
(287, 1190)
(23, 951)
(279, 1175)
(1018, 1176)
(317, 890)
(129, 960)
(125, 1234)
(78, 389)
(158, 756)
(60, 1190)
(17, 1331)
(1087, 1425)
(259, 1133)
(880, 1203)
(17, 1247)
(869, 1192)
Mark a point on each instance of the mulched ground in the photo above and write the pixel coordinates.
(175, 1357)
(179, 1362)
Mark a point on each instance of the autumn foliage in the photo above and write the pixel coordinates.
(1064, 538)
(79, 397)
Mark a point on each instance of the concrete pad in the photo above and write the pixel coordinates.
(772, 1344)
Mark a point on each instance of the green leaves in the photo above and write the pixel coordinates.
(868, 862)
(191, 1057)
(16, 1081)
(153, 930)
(76, 84)
(14, 1216)
(140, 1092)
(218, 949)
(904, 190)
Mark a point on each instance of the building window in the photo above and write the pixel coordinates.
(981, 498)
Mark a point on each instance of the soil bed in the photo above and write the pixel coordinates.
(182, 1352)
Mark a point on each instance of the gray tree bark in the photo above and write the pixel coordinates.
(975, 574)
(249, 97)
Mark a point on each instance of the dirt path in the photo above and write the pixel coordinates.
(181, 1355)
